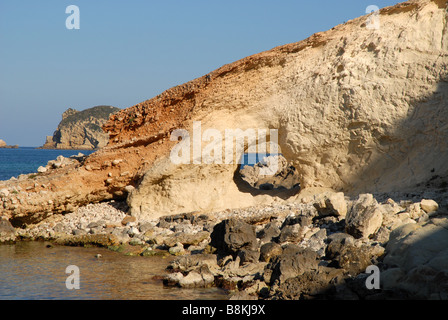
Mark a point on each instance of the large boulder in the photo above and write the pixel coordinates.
(331, 203)
(417, 260)
(365, 217)
(294, 261)
(237, 238)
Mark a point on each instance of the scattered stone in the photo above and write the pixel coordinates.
(128, 219)
(429, 206)
(268, 233)
(4, 193)
(270, 251)
(292, 233)
(116, 162)
(293, 262)
(186, 239)
(42, 169)
(178, 249)
(331, 204)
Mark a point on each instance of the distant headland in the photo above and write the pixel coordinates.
(81, 130)
(4, 145)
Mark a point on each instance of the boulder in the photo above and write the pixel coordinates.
(199, 278)
(42, 169)
(7, 231)
(365, 217)
(294, 261)
(331, 203)
(187, 239)
(269, 232)
(193, 262)
(270, 251)
(419, 258)
(232, 235)
(292, 233)
(429, 206)
(352, 259)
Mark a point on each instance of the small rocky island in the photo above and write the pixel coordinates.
(3, 145)
(81, 130)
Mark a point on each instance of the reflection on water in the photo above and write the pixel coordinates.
(30, 270)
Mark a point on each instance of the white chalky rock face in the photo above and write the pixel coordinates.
(357, 110)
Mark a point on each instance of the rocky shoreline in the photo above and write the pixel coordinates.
(3, 145)
(318, 248)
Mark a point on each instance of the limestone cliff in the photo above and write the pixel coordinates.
(357, 109)
(81, 129)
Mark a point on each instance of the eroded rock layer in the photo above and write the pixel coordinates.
(357, 110)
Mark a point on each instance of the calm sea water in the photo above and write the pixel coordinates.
(31, 271)
(14, 162)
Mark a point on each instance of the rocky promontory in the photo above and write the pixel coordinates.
(81, 130)
(3, 145)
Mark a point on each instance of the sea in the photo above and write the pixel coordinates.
(41, 271)
(25, 160)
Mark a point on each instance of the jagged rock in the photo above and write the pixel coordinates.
(331, 204)
(365, 217)
(352, 259)
(310, 285)
(201, 278)
(270, 231)
(177, 249)
(270, 251)
(272, 172)
(294, 261)
(81, 129)
(232, 235)
(303, 220)
(7, 231)
(292, 233)
(4, 193)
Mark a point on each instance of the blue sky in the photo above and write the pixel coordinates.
(126, 52)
